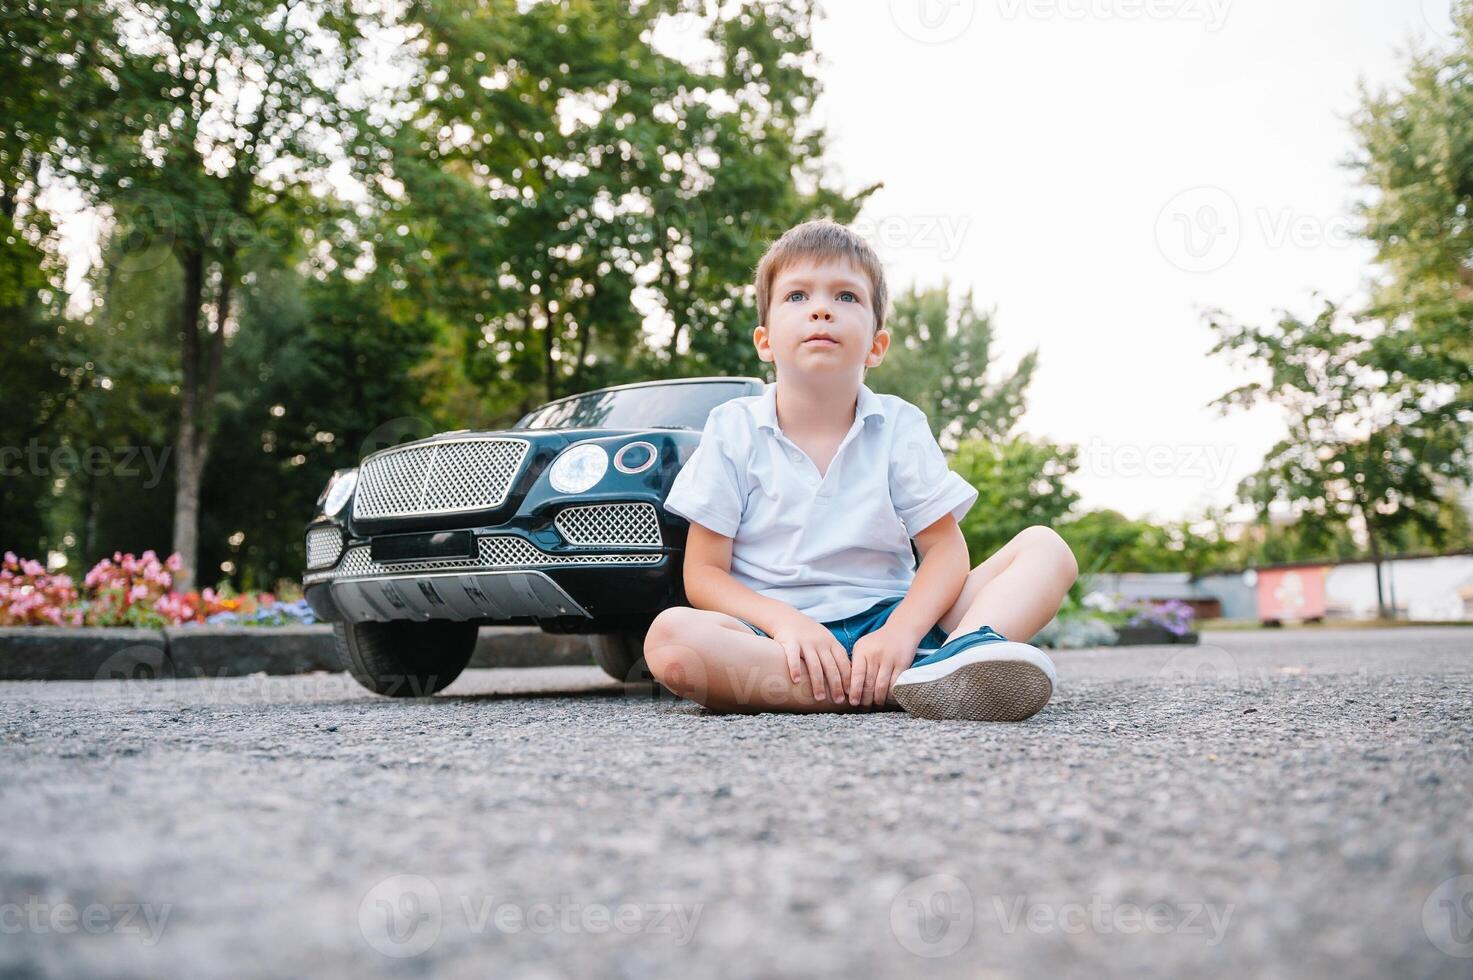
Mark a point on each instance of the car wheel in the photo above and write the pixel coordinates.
(621, 655)
(404, 659)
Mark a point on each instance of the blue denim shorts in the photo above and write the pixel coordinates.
(849, 629)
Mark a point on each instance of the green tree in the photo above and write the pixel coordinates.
(576, 181)
(126, 396)
(216, 114)
(1364, 449)
(1379, 400)
(47, 91)
(939, 359)
(40, 374)
(1020, 482)
(1108, 541)
(1416, 157)
(322, 374)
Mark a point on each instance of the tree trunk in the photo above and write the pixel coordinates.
(585, 332)
(1376, 561)
(89, 523)
(667, 276)
(201, 376)
(187, 469)
(188, 473)
(549, 366)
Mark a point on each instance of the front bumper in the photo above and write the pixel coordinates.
(511, 579)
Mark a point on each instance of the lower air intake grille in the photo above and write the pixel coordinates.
(610, 524)
(324, 546)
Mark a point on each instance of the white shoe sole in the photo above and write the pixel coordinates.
(992, 682)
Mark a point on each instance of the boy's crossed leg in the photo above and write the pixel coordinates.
(715, 660)
(1018, 589)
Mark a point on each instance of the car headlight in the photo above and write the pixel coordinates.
(578, 468)
(339, 492)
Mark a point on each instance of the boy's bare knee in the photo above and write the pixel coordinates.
(669, 642)
(672, 626)
(1045, 540)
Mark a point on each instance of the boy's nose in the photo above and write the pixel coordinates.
(820, 315)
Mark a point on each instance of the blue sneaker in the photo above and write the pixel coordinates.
(979, 676)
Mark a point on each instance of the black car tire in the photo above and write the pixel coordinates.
(621, 655)
(405, 659)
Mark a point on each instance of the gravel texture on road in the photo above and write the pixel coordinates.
(1270, 804)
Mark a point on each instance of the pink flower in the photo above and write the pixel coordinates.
(31, 597)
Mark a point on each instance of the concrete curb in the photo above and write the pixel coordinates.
(55, 653)
(43, 653)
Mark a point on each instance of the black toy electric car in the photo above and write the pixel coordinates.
(558, 521)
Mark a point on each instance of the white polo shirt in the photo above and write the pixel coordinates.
(828, 546)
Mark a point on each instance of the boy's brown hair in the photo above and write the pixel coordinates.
(822, 240)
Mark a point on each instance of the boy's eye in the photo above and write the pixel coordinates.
(796, 292)
(852, 297)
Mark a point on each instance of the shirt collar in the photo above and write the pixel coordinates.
(766, 407)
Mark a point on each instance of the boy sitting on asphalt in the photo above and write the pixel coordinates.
(802, 503)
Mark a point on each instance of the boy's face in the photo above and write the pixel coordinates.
(821, 322)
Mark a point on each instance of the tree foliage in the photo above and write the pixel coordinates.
(579, 183)
(1020, 482)
(1416, 157)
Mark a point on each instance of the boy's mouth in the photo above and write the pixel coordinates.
(821, 340)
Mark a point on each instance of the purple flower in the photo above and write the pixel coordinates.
(1173, 615)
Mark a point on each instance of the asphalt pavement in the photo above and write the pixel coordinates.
(1270, 804)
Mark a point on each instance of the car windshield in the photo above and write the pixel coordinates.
(672, 406)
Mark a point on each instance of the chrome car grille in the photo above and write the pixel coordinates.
(609, 524)
(324, 546)
(449, 477)
(495, 551)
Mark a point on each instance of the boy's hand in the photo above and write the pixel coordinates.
(879, 658)
(808, 643)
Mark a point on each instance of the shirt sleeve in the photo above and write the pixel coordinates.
(922, 487)
(708, 489)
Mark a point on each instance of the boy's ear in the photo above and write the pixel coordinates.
(877, 348)
(759, 341)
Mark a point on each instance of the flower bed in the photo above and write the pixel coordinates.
(136, 592)
(1101, 620)
(1145, 622)
(1173, 617)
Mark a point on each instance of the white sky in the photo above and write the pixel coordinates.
(1052, 154)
